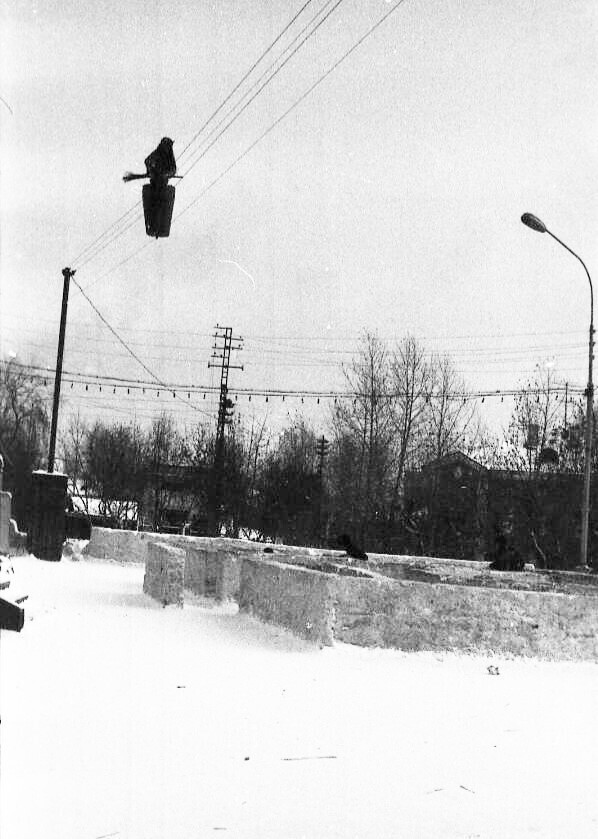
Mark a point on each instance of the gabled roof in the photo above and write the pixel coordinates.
(456, 458)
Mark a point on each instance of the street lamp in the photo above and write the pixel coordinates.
(535, 224)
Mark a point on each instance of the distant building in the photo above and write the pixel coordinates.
(454, 507)
(174, 500)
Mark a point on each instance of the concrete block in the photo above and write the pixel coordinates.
(165, 574)
(126, 546)
(5, 502)
(411, 615)
(17, 539)
(298, 599)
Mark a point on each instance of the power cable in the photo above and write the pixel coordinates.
(89, 248)
(286, 113)
(290, 109)
(231, 122)
(140, 384)
(265, 84)
(121, 340)
(311, 338)
(247, 74)
(106, 232)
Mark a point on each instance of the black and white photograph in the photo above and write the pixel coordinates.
(298, 427)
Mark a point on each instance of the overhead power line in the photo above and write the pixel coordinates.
(131, 352)
(41, 373)
(277, 122)
(295, 104)
(310, 339)
(245, 76)
(267, 346)
(112, 232)
(276, 70)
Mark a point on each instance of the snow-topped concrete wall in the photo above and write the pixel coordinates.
(299, 599)
(211, 564)
(409, 603)
(212, 570)
(164, 574)
(120, 545)
(5, 503)
(411, 615)
(131, 546)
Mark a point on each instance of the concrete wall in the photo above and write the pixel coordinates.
(5, 502)
(164, 574)
(120, 545)
(298, 599)
(413, 603)
(16, 538)
(212, 565)
(412, 615)
(131, 546)
(212, 570)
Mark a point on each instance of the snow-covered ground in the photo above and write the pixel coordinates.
(123, 719)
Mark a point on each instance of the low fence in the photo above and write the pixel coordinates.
(409, 603)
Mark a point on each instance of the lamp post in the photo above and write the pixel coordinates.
(535, 224)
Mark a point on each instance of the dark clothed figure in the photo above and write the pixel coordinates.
(160, 165)
(505, 557)
(352, 550)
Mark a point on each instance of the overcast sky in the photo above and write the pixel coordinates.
(388, 200)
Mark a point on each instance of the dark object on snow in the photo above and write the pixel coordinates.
(268, 550)
(508, 561)
(493, 670)
(12, 615)
(47, 527)
(78, 525)
(352, 550)
(505, 558)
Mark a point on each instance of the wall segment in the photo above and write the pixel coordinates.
(410, 603)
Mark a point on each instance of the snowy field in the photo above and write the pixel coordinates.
(124, 719)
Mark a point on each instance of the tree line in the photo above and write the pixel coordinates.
(401, 408)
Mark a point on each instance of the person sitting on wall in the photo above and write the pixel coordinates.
(353, 551)
(505, 557)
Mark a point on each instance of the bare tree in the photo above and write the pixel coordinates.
(361, 457)
(24, 424)
(73, 442)
(288, 487)
(536, 422)
(114, 469)
(410, 382)
(535, 499)
(164, 447)
(450, 415)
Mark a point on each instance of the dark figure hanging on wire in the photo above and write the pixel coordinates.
(158, 195)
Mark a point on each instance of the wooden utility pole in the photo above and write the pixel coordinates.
(322, 452)
(67, 273)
